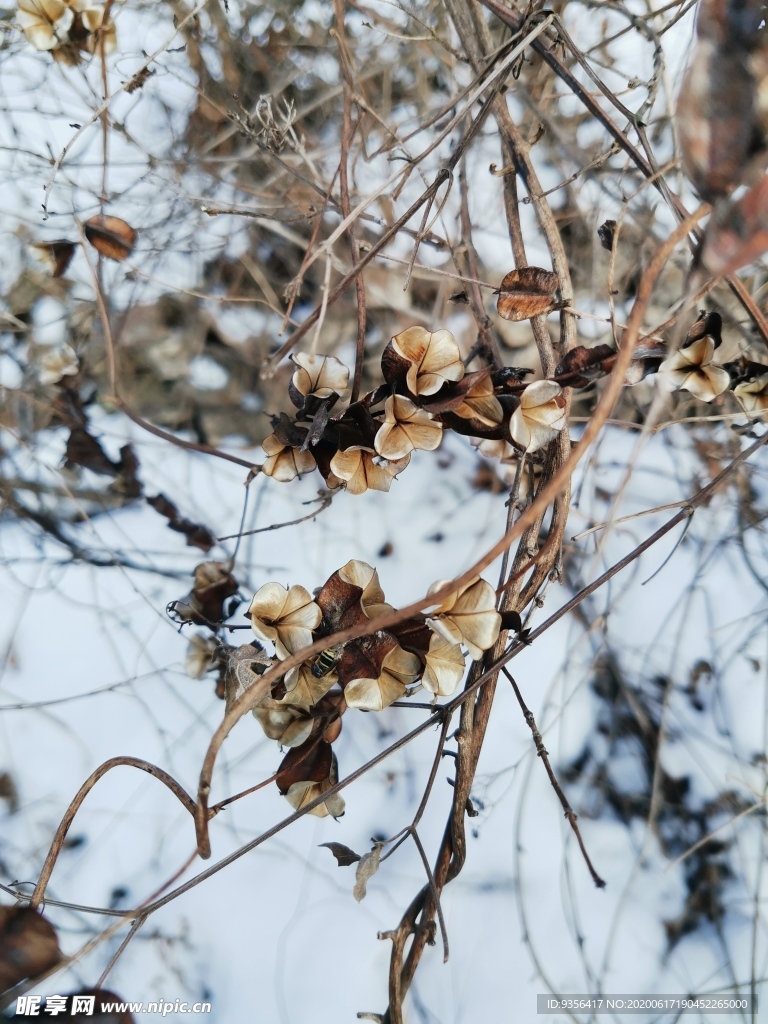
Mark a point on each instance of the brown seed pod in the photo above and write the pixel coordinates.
(715, 117)
(527, 292)
(311, 762)
(28, 945)
(737, 232)
(582, 365)
(111, 236)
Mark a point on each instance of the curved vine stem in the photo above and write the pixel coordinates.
(61, 832)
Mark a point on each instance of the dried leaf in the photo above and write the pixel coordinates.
(363, 658)
(287, 432)
(527, 292)
(736, 23)
(487, 479)
(737, 232)
(139, 79)
(197, 536)
(247, 663)
(306, 773)
(110, 236)
(606, 233)
(9, 792)
(127, 482)
(319, 423)
(413, 634)
(715, 115)
(84, 450)
(344, 856)
(56, 255)
(68, 406)
(366, 869)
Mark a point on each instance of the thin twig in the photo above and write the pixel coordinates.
(542, 752)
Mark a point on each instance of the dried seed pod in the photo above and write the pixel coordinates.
(110, 236)
(45, 23)
(363, 470)
(204, 604)
(307, 772)
(305, 689)
(444, 667)
(692, 369)
(715, 116)
(737, 232)
(425, 360)
(468, 617)
(28, 945)
(318, 375)
(375, 671)
(284, 617)
(406, 428)
(351, 595)
(284, 462)
(527, 292)
(56, 362)
(582, 365)
(753, 396)
(540, 416)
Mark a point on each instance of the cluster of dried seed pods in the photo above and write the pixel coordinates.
(427, 390)
(303, 711)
